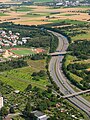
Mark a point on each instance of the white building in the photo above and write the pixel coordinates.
(67, 3)
(1, 102)
(39, 115)
(24, 40)
(10, 32)
(20, 43)
(59, 4)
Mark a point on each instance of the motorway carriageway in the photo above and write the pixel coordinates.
(55, 69)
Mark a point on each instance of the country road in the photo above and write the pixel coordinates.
(55, 69)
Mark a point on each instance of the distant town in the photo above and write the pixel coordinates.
(69, 3)
(65, 3)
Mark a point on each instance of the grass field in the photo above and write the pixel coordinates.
(86, 96)
(3, 14)
(82, 36)
(68, 14)
(67, 21)
(33, 15)
(23, 9)
(20, 78)
(22, 52)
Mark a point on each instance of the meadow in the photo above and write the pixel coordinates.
(3, 14)
(20, 78)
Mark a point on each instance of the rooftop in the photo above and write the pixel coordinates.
(38, 113)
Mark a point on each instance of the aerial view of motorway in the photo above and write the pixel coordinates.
(45, 60)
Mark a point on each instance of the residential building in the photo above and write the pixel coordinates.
(37, 115)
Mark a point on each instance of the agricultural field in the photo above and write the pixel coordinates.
(20, 78)
(34, 15)
(5, 0)
(2, 14)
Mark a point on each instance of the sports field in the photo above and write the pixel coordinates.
(22, 51)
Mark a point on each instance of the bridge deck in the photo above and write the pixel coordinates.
(76, 93)
(57, 53)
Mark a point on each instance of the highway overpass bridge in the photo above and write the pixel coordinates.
(57, 53)
(76, 94)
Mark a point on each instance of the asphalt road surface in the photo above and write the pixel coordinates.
(55, 69)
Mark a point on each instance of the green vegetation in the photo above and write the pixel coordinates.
(35, 98)
(75, 67)
(33, 15)
(67, 21)
(32, 80)
(79, 68)
(18, 75)
(37, 57)
(41, 1)
(38, 37)
(20, 78)
(23, 9)
(23, 52)
(86, 96)
(68, 14)
(76, 64)
(9, 65)
(3, 14)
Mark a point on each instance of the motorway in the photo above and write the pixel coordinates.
(55, 69)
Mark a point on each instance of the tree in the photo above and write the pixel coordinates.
(34, 74)
(28, 109)
(3, 111)
(12, 110)
(41, 73)
(49, 90)
(29, 87)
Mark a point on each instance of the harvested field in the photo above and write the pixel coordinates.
(34, 15)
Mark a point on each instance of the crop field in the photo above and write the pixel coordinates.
(34, 15)
(2, 14)
(20, 78)
(23, 9)
(82, 36)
